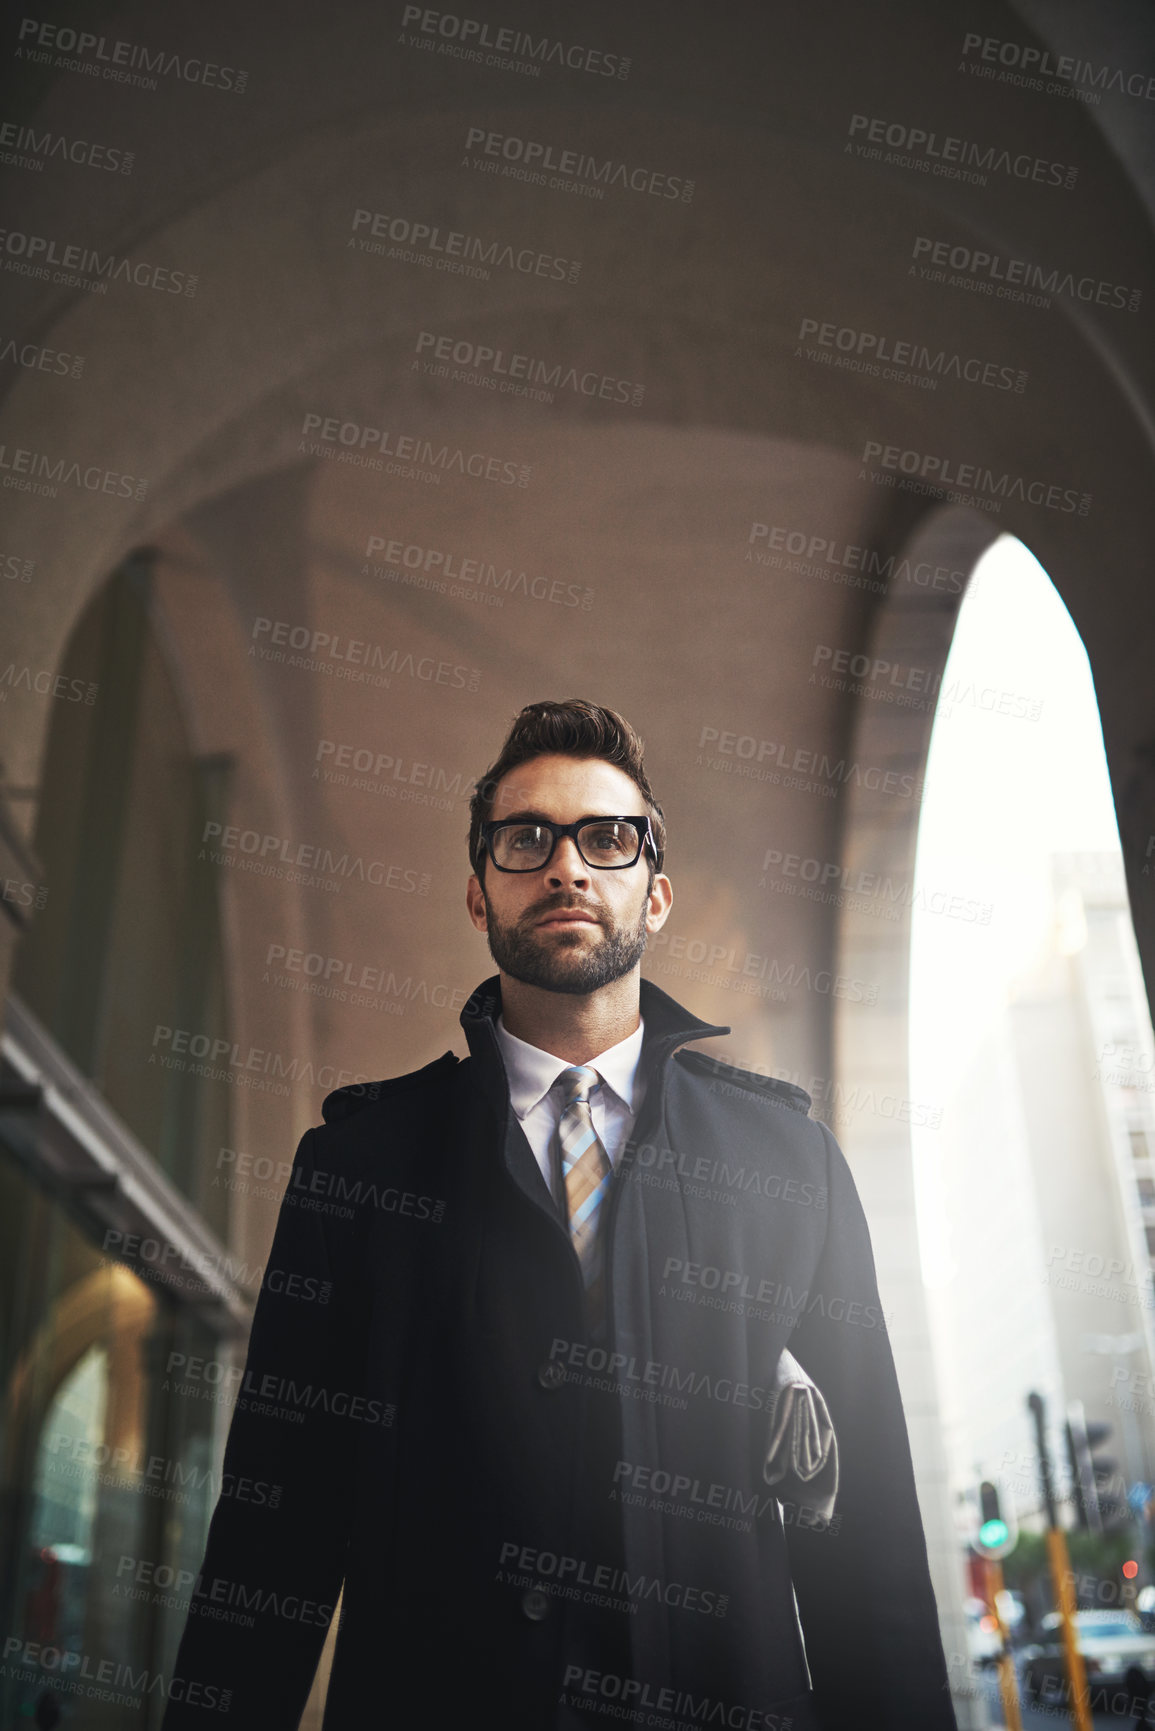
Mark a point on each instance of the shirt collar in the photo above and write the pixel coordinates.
(532, 1072)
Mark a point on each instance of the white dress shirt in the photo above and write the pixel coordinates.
(537, 1099)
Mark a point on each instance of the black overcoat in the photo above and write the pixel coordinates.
(425, 1417)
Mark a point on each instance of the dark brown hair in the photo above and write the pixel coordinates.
(572, 728)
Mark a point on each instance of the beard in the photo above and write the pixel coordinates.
(564, 964)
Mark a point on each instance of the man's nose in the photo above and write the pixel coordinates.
(567, 865)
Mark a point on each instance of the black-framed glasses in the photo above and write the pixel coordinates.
(606, 843)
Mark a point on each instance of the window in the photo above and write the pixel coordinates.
(130, 936)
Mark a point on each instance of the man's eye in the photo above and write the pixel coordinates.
(524, 838)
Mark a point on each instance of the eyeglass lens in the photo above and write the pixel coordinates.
(526, 846)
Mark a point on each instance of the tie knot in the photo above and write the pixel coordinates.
(576, 1084)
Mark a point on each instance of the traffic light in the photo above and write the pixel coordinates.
(1094, 1475)
(1084, 1494)
(997, 1533)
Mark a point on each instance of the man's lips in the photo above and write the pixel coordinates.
(566, 917)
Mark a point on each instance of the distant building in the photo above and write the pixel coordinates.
(1048, 1174)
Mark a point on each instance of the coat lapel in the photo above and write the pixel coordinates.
(667, 1026)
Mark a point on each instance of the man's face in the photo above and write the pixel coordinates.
(568, 927)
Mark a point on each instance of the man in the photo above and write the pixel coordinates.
(526, 1391)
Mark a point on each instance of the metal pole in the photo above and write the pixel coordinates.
(1008, 1681)
(1061, 1578)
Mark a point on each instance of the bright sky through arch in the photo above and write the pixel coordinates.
(1002, 794)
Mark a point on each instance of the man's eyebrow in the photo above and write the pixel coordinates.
(531, 816)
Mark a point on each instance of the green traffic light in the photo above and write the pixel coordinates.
(993, 1533)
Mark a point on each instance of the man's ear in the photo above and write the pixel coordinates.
(475, 903)
(661, 900)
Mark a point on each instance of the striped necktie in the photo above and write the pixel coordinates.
(586, 1171)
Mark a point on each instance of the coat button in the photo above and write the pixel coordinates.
(551, 1374)
(535, 1605)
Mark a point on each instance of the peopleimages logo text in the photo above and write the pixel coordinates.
(41, 147)
(944, 473)
(27, 471)
(1017, 278)
(903, 360)
(482, 363)
(958, 158)
(540, 159)
(35, 253)
(453, 249)
(467, 37)
(357, 440)
(120, 60)
(1039, 63)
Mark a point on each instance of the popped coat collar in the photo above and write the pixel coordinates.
(668, 1025)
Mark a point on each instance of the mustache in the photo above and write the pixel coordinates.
(562, 905)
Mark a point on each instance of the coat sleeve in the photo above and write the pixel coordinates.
(863, 1585)
(275, 1556)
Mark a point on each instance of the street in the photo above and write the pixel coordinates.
(1040, 1718)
